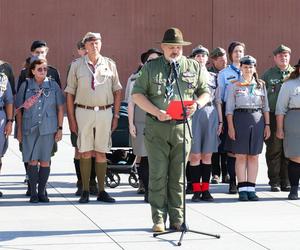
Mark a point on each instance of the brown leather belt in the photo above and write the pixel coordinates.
(96, 108)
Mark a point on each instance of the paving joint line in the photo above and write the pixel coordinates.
(220, 223)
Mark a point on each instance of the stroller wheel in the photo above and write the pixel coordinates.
(133, 180)
(112, 180)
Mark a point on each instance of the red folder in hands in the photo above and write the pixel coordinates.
(175, 109)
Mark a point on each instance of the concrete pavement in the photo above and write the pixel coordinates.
(271, 223)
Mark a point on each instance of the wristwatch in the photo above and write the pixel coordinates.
(59, 127)
(9, 120)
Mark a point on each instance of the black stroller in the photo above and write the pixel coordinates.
(120, 159)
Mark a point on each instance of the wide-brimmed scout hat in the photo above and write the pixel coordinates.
(91, 36)
(173, 36)
(281, 48)
(249, 60)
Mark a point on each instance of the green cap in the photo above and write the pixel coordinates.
(173, 36)
(281, 48)
(216, 52)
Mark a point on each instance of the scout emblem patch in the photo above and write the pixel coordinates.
(252, 85)
(3, 82)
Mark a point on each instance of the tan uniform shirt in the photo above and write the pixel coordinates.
(106, 81)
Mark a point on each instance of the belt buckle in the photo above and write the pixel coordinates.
(96, 108)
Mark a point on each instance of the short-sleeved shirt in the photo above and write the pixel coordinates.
(153, 77)
(246, 97)
(43, 114)
(51, 73)
(7, 70)
(106, 81)
(6, 96)
(289, 96)
(274, 77)
(225, 78)
(213, 87)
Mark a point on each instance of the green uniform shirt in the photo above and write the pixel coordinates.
(213, 69)
(152, 80)
(274, 78)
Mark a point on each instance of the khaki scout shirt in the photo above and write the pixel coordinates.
(289, 97)
(246, 97)
(79, 82)
(153, 78)
(274, 77)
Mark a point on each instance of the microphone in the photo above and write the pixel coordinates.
(175, 67)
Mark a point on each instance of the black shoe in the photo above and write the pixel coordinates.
(286, 188)
(93, 190)
(1, 194)
(84, 197)
(252, 196)
(105, 197)
(78, 191)
(293, 195)
(232, 188)
(196, 197)
(34, 199)
(28, 191)
(275, 188)
(215, 179)
(189, 188)
(43, 198)
(225, 179)
(206, 196)
(146, 197)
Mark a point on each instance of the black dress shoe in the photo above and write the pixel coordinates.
(293, 195)
(105, 197)
(34, 199)
(43, 198)
(189, 188)
(78, 191)
(232, 188)
(93, 190)
(286, 188)
(84, 197)
(196, 197)
(275, 188)
(206, 196)
(1, 194)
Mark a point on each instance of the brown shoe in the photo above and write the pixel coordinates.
(158, 227)
(176, 226)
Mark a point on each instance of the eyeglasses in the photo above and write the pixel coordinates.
(42, 69)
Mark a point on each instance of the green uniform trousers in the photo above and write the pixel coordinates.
(164, 145)
(276, 162)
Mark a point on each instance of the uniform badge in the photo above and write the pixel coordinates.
(230, 78)
(188, 74)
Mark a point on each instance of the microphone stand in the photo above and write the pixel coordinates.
(184, 227)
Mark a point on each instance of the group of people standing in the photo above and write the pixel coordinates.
(231, 112)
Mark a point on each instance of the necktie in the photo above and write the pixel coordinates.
(93, 79)
(170, 85)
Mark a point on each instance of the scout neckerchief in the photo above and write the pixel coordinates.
(170, 83)
(246, 83)
(92, 69)
(235, 69)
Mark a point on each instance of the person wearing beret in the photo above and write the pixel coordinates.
(6, 115)
(225, 79)
(153, 91)
(40, 112)
(136, 120)
(207, 124)
(288, 129)
(93, 88)
(247, 112)
(38, 49)
(276, 161)
(218, 59)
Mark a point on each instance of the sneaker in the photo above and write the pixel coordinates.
(232, 188)
(176, 226)
(243, 196)
(158, 228)
(215, 179)
(34, 199)
(252, 196)
(105, 197)
(196, 197)
(206, 196)
(84, 197)
(275, 188)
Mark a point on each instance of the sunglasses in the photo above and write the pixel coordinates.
(42, 69)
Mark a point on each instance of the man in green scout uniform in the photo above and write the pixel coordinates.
(154, 89)
(274, 78)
